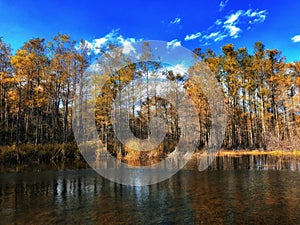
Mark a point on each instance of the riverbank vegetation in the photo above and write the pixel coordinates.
(30, 153)
(295, 153)
(38, 84)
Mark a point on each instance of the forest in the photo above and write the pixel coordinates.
(38, 85)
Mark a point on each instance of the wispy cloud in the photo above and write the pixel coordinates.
(174, 43)
(233, 30)
(192, 36)
(215, 36)
(231, 25)
(211, 35)
(296, 38)
(223, 4)
(233, 18)
(176, 20)
(257, 16)
(220, 37)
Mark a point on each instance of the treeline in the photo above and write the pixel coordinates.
(262, 97)
(261, 93)
(37, 89)
(39, 81)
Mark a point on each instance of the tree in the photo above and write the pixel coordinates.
(5, 85)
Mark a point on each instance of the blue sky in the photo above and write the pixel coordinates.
(190, 24)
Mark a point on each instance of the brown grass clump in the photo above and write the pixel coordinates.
(141, 158)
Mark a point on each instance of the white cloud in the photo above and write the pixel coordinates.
(233, 18)
(233, 30)
(223, 4)
(176, 21)
(257, 16)
(127, 44)
(174, 43)
(215, 36)
(100, 42)
(296, 38)
(211, 35)
(220, 37)
(231, 25)
(178, 68)
(192, 36)
(112, 37)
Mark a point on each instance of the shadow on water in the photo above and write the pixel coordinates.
(233, 190)
(256, 162)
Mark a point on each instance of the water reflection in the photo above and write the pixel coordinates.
(255, 162)
(251, 190)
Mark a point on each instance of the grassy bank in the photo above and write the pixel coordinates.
(29, 153)
(259, 152)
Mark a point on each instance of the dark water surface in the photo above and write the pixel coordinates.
(234, 190)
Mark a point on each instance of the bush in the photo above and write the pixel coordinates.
(132, 155)
(39, 153)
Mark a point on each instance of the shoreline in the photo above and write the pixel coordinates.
(71, 154)
(234, 152)
(259, 152)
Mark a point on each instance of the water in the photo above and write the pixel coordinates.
(243, 190)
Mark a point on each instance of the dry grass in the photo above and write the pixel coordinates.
(259, 152)
(140, 158)
(39, 153)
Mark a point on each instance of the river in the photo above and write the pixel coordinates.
(233, 190)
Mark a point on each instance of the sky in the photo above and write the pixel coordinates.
(191, 24)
